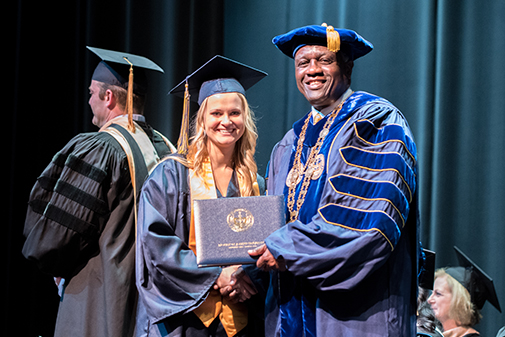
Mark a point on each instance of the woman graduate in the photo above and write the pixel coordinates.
(176, 297)
(459, 293)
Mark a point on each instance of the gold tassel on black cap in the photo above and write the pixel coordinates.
(182, 142)
(129, 98)
(332, 38)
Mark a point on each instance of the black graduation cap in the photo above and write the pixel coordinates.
(115, 68)
(427, 275)
(475, 280)
(218, 75)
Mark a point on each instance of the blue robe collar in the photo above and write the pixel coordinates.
(353, 102)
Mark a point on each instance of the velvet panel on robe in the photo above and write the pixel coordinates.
(80, 226)
(352, 254)
(169, 281)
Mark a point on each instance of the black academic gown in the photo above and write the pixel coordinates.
(80, 226)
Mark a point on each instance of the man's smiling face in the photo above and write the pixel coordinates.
(318, 76)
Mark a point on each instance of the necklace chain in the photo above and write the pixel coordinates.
(298, 170)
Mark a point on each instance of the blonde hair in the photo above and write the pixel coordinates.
(462, 310)
(243, 155)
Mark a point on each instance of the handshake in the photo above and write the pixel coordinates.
(234, 283)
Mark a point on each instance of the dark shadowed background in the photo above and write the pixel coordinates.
(441, 62)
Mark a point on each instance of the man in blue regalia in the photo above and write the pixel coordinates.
(345, 264)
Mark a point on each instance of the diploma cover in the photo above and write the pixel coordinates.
(226, 228)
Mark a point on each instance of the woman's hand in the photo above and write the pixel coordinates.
(223, 281)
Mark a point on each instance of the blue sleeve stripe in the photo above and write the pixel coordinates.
(372, 190)
(362, 221)
(380, 161)
(368, 133)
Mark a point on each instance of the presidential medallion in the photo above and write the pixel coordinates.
(318, 167)
(294, 176)
(240, 220)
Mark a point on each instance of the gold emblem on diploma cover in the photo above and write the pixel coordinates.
(240, 220)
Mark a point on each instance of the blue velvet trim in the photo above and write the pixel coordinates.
(352, 103)
(362, 220)
(378, 161)
(290, 312)
(368, 132)
(372, 190)
(298, 318)
(309, 318)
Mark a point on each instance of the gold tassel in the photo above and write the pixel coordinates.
(129, 98)
(182, 142)
(332, 38)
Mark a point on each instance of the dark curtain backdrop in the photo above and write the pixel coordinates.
(440, 61)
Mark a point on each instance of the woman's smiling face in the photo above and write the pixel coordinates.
(224, 119)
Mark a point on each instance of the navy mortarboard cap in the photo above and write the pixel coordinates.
(218, 75)
(475, 280)
(116, 68)
(335, 39)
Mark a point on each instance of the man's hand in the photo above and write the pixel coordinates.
(267, 261)
(234, 283)
(242, 286)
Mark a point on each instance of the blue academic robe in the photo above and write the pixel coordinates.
(169, 282)
(351, 255)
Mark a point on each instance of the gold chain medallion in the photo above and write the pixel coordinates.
(312, 170)
(316, 170)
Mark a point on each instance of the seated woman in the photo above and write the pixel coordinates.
(459, 293)
(178, 298)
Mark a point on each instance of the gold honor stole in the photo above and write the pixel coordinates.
(233, 316)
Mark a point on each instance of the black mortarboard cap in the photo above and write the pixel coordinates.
(335, 39)
(218, 75)
(427, 275)
(115, 69)
(475, 280)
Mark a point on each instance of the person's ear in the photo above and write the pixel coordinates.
(110, 99)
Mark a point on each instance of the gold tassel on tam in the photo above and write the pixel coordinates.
(332, 38)
(182, 142)
(129, 98)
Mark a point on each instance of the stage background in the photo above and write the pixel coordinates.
(441, 62)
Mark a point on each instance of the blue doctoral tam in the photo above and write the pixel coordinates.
(351, 43)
